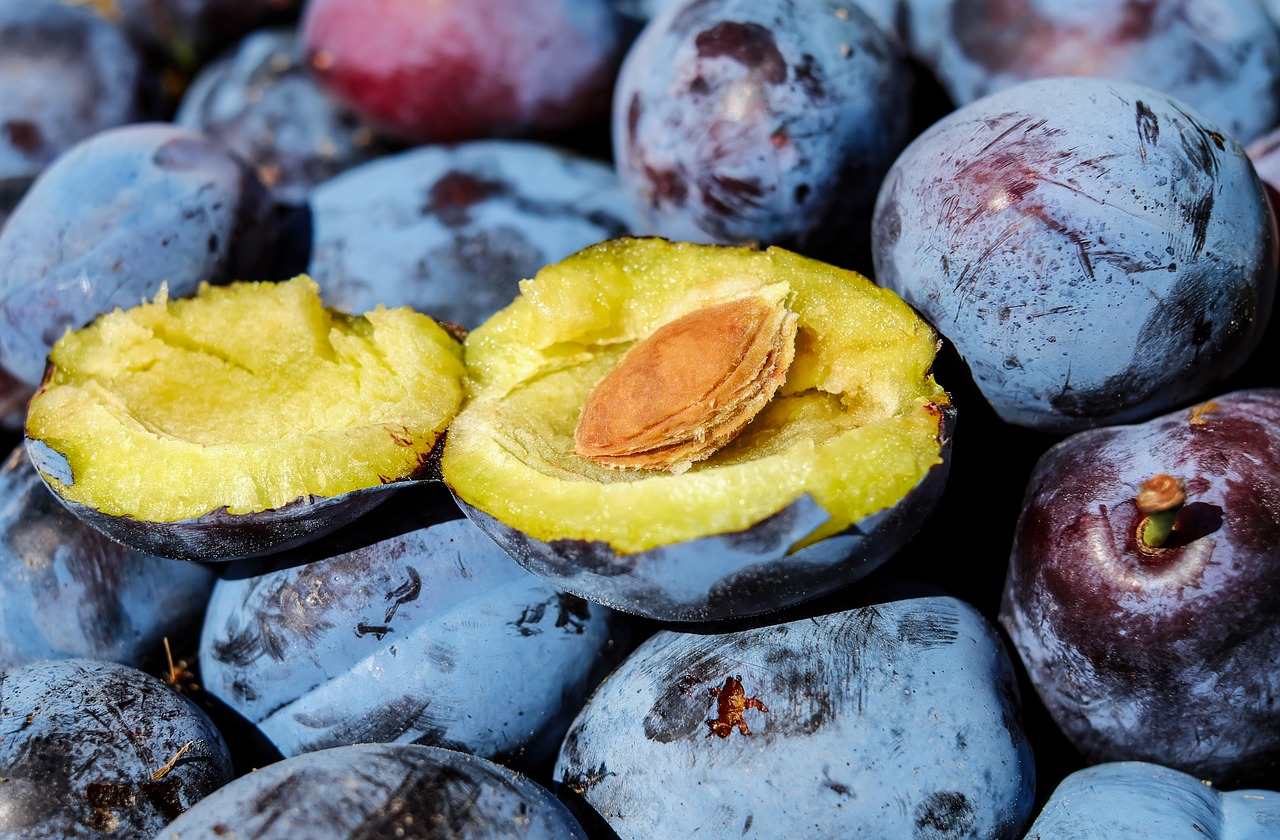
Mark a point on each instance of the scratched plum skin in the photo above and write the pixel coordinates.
(1095, 251)
(899, 719)
(92, 749)
(739, 121)
(452, 230)
(1140, 799)
(455, 70)
(379, 792)
(1220, 56)
(1167, 658)
(433, 637)
(66, 591)
(117, 215)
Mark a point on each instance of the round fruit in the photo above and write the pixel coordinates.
(241, 420)
(689, 431)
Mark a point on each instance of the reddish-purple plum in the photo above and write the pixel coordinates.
(465, 69)
(1220, 56)
(1096, 251)
(1147, 643)
(739, 121)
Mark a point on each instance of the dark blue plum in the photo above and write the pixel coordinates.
(188, 32)
(379, 792)
(452, 230)
(434, 636)
(1222, 57)
(899, 719)
(98, 749)
(66, 591)
(66, 74)
(1096, 251)
(261, 101)
(1138, 799)
(112, 220)
(738, 121)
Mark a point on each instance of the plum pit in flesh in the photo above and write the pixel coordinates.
(246, 398)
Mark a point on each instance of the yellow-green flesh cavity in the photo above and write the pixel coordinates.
(857, 423)
(248, 397)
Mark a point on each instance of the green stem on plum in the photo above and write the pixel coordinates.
(1160, 499)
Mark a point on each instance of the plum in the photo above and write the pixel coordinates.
(1095, 251)
(720, 489)
(93, 749)
(466, 69)
(379, 792)
(54, 59)
(66, 591)
(896, 719)
(433, 636)
(1222, 57)
(261, 101)
(115, 218)
(1140, 799)
(1150, 629)
(452, 230)
(739, 121)
(241, 421)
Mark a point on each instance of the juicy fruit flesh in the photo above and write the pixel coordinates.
(689, 388)
(246, 397)
(856, 423)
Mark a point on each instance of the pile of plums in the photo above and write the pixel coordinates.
(860, 418)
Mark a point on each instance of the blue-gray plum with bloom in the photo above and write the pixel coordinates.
(379, 792)
(434, 636)
(66, 591)
(92, 749)
(1096, 251)
(899, 719)
(1140, 799)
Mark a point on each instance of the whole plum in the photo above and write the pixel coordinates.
(898, 719)
(1158, 645)
(67, 591)
(433, 636)
(1096, 252)
(379, 792)
(1222, 57)
(452, 230)
(94, 749)
(739, 121)
(466, 69)
(112, 220)
(261, 101)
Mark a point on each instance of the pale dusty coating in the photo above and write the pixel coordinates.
(688, 388)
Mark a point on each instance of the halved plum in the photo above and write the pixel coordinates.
(771, 428)
(244, 420)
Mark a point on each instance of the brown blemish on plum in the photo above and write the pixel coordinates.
(453, 195)
(1198, 413)
(23, 135)
(749, 44)
(731, 702)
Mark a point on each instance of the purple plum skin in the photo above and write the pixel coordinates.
(379, 792)
(66, 591)
(739, 121)
(1222, 57)
(1168, 659)
(262, 102)
(434, 637)
(452, 230)
(116, 216)
(899, 719)
(1140, 799)
(95, 749)
(1095, 251)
